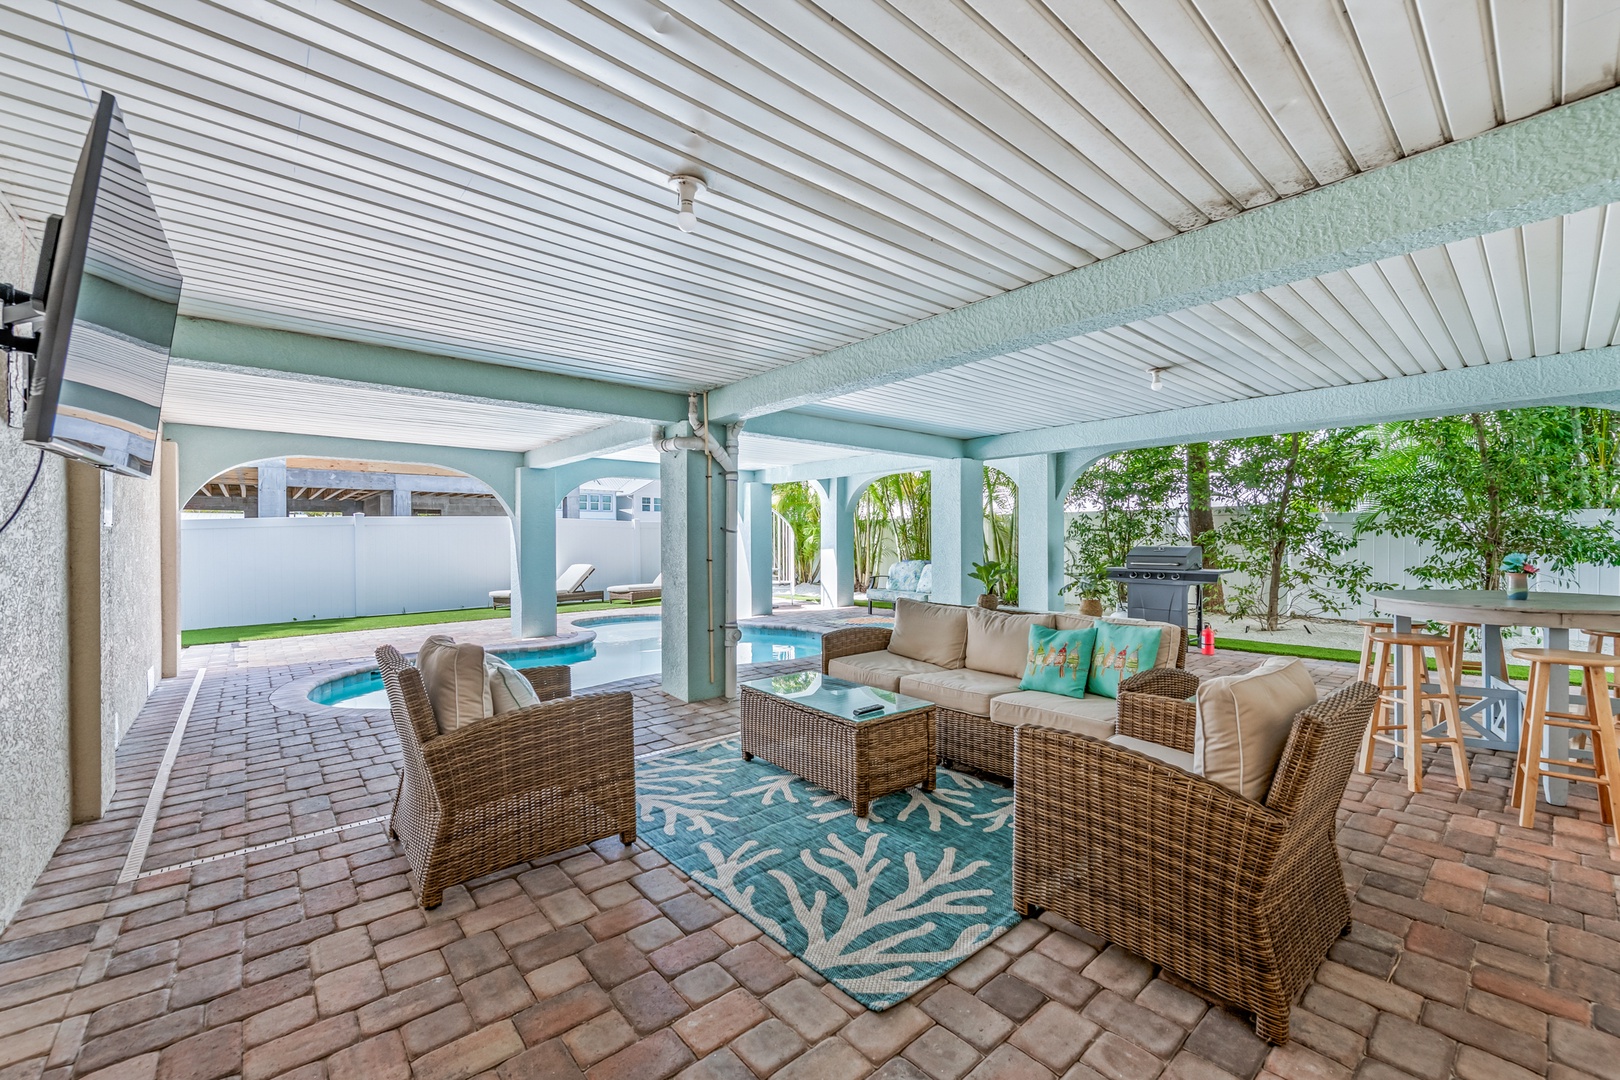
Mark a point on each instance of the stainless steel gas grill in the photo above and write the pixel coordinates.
(1157, 579)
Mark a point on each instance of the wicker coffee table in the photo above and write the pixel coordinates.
(806, 723)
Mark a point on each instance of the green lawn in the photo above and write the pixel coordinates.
(218, 635)
(1349, 656)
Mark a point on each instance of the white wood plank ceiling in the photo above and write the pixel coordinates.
(486, 177)
(1547, 288)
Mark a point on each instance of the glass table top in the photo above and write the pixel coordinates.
(839, 697)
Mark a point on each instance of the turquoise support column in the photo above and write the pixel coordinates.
(837, 542)
(1040, 532)
(692, 533)
(754, 550)
(534, 554)
(958, 528)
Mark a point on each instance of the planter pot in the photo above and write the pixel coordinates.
(1091, 605)
(1518, 586)
(989, 600)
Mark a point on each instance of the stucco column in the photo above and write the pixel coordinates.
(837, 542)
(957, 491)
(169, 554)
(692, 543)
(1040, 532)
(534, 554)
(754, 579)
(273, 488)
(403, 483)
(90, 744)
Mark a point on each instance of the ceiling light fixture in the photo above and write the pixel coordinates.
(687, 189)
(1156, 383)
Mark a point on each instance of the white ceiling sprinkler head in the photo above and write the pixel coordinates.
(1157, 382)
(687, 189)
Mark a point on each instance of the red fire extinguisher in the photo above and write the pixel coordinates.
(1208, 644)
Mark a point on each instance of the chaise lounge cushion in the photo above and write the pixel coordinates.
(455, 681)
(1167, 754)
(881, 669)
(963, 690)
(1244, 722)
(933, 633)
(999, 642)
(1092, 716)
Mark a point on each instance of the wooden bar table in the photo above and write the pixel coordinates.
(1497, 716)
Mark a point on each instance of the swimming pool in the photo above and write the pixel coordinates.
(626, 646)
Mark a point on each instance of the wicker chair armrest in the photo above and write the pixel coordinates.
(575, 741)
(1153, 705)
(551, 682)
(852, 640)
(1341, 717)
(1130, 810)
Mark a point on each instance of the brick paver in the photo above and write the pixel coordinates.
(1479, 949)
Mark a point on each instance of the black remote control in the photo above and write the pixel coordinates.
(868, 710)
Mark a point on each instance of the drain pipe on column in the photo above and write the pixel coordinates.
(703, 440)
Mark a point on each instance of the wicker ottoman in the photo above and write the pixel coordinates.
(805, 723)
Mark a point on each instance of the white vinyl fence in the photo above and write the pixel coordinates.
(245, 571)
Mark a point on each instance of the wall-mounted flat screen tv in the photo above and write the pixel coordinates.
(96, 391)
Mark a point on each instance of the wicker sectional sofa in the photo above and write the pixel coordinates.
(974, 660)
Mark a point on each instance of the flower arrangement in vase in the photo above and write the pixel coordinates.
(1517, 569)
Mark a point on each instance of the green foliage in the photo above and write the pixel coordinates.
(1001, 530)
(998, 578)
(800, 506)
(908, 496)
(1476, 487)
(1277, 488)
(872, 527)
(1126, 499)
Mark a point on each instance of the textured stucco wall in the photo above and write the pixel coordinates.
(131, 606)
(34, 789)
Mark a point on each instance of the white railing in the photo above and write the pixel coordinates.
(784, 553)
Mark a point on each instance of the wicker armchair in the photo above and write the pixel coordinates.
(510, 788)
(1241, 898)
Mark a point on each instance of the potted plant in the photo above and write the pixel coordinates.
(1517, 570)
(1090, 587)
(991, 575)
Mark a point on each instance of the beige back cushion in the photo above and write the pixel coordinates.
(999, 642)
(1244, 721)
(509, 689)
(455, 681)
(1169, 638)
(933, 633)
(1068, 620)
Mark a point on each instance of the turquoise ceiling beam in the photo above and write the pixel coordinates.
(575, 473)
(205, 452)
(1561, 379)
(1564, 160)
(858, 465)
(608, 439)
(799, 427)
(282, 352)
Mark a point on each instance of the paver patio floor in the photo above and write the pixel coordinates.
(1480, 949)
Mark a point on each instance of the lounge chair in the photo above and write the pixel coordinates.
(631, 594)
(570, 587)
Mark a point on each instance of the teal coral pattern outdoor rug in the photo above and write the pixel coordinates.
(879, 906)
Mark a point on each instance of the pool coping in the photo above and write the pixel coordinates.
(294, 696)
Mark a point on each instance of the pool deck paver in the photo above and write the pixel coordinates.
(1479, 949)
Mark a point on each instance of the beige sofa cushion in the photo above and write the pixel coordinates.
(1068, 620)
(1167, 754)
(881, 669)
(963, 689)
(1093, 716)
(999, 642)
(933, 633)
(1244, 721)
(1169, 638)
(455, 681)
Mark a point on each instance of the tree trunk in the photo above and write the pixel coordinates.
(1201, 518)
(1494, 548)
(1279, 545)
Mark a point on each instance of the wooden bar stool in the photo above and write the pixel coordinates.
(1369, 627)
(1418, 702)
(1596, 722)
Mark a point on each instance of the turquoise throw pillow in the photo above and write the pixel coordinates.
(1121, 652)
(1059, 661)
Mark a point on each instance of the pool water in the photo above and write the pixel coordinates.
(626, 646)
